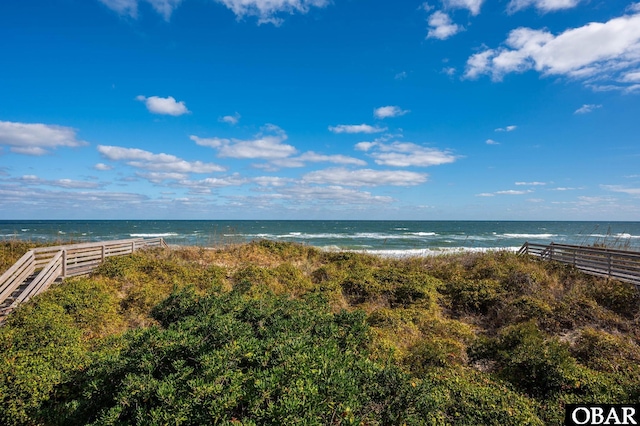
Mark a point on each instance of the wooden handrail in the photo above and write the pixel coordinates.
(14, 276)
(59, 262)
(601, 261)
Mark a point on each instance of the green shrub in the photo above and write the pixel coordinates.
(460, 396)
(621, 298)
(273, 360)
(473, 296)
(525, 357)
(39, 344)
(436, 352)
(606, 352)
(272, 333)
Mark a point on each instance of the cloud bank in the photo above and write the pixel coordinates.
(605, 55)
(37, 138)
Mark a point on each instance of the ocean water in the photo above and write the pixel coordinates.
(382, 237)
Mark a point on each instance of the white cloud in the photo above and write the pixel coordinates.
(401, 75)
(312, 157)
(130, 7)
(450, 71)
(337, 159)
(204, 186)
(165, 163)
(60, 183)
(36, 138)
(18, 196)
(513, 192)
(389, 111)
(530, 183)
(365, 177)
(102, 167)
(595, 53)
(441, 26)
(356, 128)
(165, 106)
(631, 77)
(587, 108)
(635, 192)
(267, 11)
(426, 7)
(332, 195)
(210, 142)
(159, 177)
(492, 142)
(405, 154)
(589, 201)
(506, 129)
(472, 5)
(123, 7)
(230, 119)
(267, 145)
(165, 7)
(506, 192)
(272, 181)
(541, 5)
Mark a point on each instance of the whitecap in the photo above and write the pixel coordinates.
(165, 234)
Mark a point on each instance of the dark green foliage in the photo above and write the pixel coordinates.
(473, 296)
(287, 251)
(621, 298)
(40, 344)
(606, 352)
(535, 364)
(272, 361)
(457, 396)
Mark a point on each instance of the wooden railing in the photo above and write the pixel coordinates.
(619, 264)
(20, 282)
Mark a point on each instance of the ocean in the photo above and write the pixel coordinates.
(390, 238)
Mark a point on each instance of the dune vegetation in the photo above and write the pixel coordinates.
(278, 333)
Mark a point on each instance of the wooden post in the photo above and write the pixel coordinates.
(133, 246)
(104, 253)
(64, 263)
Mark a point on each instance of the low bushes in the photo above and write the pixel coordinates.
(288, 333)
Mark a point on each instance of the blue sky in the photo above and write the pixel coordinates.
(320, 109)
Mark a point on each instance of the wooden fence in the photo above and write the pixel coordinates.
(618, 264)
(40, 267)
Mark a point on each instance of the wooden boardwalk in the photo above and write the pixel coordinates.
(621, 265)
(39, 268)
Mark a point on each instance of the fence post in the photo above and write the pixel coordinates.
(104, 253)
(133, 246)
(609, 263)
(64, 263)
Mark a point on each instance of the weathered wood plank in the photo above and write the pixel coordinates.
(16, 275)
